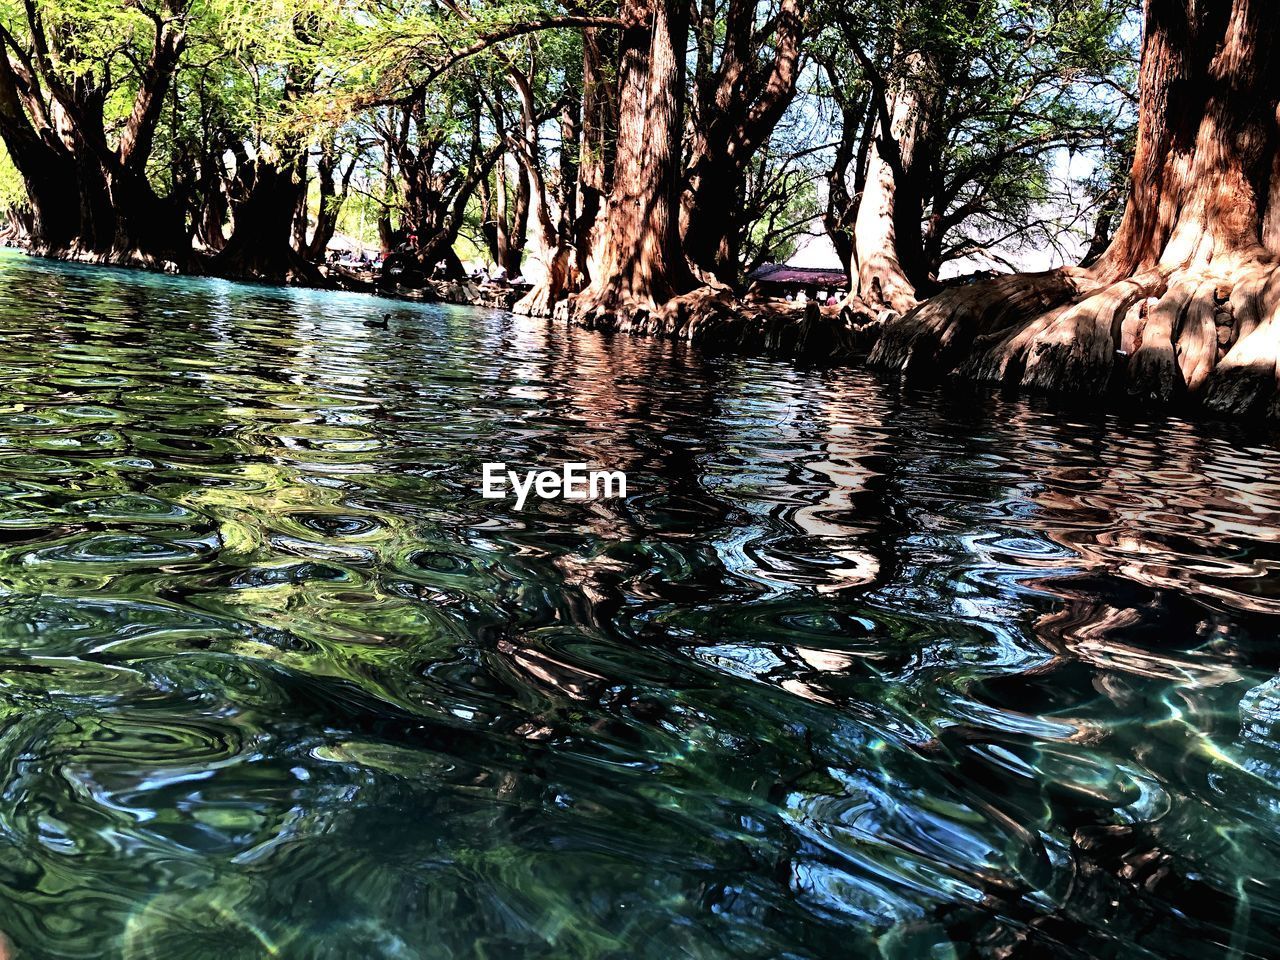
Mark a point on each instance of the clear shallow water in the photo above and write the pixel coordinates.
(850, 674)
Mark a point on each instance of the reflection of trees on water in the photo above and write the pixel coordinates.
(1154, 620)
(842, 674)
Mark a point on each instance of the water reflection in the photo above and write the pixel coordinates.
(849, 673)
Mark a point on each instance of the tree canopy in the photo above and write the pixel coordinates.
(240, 136)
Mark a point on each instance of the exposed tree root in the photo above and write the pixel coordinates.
(541, 300)
(1183, 303)
(1209, 333)
(538, 302)
(1069, 347)
(715, 317)
(1245, 380)
(186, 262)
(942, 332)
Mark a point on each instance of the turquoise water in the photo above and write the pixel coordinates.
(850, 673)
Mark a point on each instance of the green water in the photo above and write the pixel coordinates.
(850, 673)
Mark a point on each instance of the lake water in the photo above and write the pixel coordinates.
(851, 672)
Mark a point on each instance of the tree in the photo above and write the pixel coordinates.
(587, 139)
(334, 183)
(740, 92)
(285, 52)
(639, 185)
(553, 191)
(441, 156)
(85, 169)
(951, 115)
(780, 204)
(641, 262)
(1187, 295)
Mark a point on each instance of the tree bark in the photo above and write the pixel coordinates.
(738, 108)
(888, 262)
(261, 242)
(641, 261)
(1186, 298)
(595, 154)
(47, 168)
(583, 177)
(857, 129)
(54, 127)
(562, 273)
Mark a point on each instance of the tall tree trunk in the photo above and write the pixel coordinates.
(512, 223)
(302, 213)
(738, 108)
(261, 242)
(211, 205)
(333, 192)
(561, 273)
(387, 239)
(435, 205)
(857, 132)
(436, 196)
(1186, 298)
(54, 126)
(386, 233)
(48, 170)
(641, 262)
(595, 155)
(888, 263)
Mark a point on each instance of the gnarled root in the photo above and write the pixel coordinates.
(1071, 347)
(713, 316)
(938, 335)
(1246, 378)
(1211, 333)
(542, 299)
(538, 302)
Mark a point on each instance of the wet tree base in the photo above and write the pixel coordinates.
(292, 271)
(1206, 337)
(714, 319)
(136, 259)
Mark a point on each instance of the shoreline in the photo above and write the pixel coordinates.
(714, 321)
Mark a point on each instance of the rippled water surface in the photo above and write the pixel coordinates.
(850, 672)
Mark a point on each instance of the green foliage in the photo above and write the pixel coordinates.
(1015, 85)
(13, 192)
(1011, 90)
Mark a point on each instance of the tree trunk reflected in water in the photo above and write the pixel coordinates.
(852, 670)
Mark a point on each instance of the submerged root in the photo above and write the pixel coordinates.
(1210, 334)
